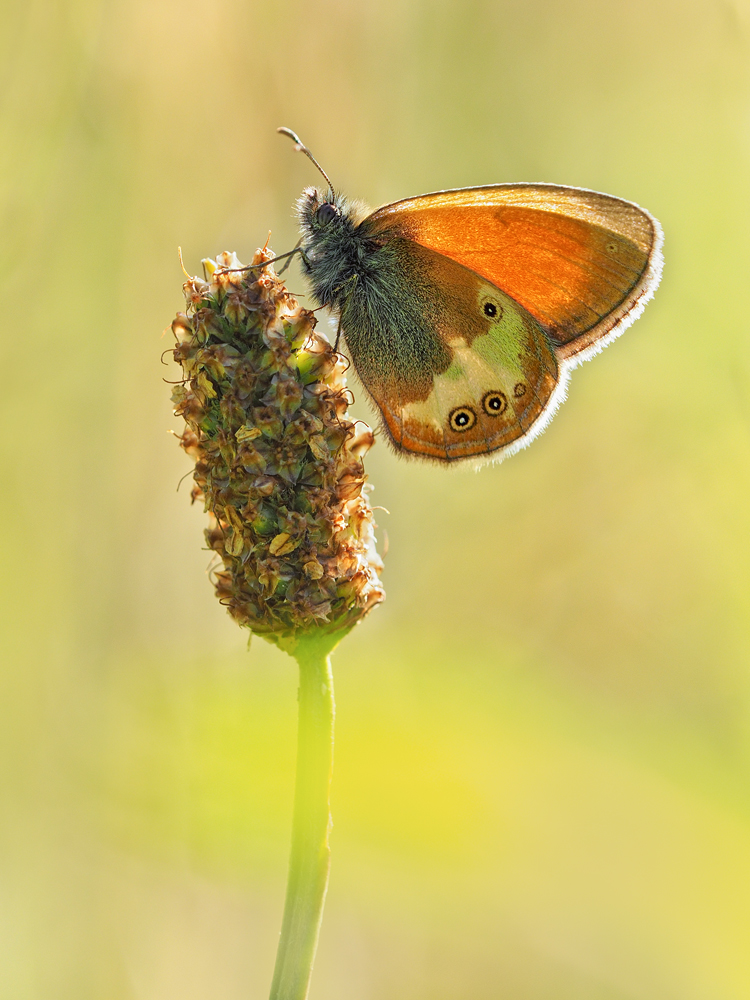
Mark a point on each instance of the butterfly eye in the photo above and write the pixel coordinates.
(494, 403)
(462, 418)
(492, 310)
(325, 213)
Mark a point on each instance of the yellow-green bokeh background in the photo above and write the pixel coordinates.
(542, 788)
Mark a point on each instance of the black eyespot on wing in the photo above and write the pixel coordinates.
(325, 213)
(494, 403)
(492, 310)
(462, 418)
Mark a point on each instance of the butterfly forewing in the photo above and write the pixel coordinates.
(578, 261)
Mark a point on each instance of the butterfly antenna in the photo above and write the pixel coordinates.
(302, 148)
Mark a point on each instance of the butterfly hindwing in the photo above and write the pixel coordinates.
(457, 369)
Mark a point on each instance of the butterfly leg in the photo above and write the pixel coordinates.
(340, 293)
(298, 249)
(253, 267)
(338, 337)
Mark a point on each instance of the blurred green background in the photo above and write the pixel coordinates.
(541, 786)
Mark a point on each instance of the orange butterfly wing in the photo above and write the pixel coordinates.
(582, 263)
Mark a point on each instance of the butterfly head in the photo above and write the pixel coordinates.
(323, 215)
(317, 210)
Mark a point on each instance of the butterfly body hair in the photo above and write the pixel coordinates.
(335, 252)
(371, 284)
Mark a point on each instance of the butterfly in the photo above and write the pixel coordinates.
(464, 311)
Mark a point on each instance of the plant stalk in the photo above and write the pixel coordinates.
(310, 856)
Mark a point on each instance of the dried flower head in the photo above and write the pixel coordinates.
(277, 462)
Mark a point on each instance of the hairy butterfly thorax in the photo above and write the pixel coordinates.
(336, 252)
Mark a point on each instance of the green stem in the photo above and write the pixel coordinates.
(310, 857)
